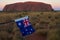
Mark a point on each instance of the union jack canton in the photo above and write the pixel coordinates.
(25, 26)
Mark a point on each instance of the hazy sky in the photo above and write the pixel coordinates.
(55, 3)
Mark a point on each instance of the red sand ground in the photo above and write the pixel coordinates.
(37, 37)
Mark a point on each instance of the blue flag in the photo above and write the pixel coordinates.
(25, 26)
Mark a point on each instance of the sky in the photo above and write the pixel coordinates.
(54, 3)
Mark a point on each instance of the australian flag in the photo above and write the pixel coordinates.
(25, 26)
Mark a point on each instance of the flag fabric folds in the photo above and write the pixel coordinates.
(25, 26)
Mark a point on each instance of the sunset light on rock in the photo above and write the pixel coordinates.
(54, 3)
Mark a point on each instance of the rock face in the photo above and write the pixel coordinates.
(28, 6)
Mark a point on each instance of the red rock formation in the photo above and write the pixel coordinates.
(28, 6)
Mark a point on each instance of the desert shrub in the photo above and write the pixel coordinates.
(4, 35)
(54, 34)
(45, 23)
(49, 16)
(57, 25)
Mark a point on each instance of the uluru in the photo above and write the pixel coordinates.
(28, 6)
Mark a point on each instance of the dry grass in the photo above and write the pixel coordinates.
(41, 21)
